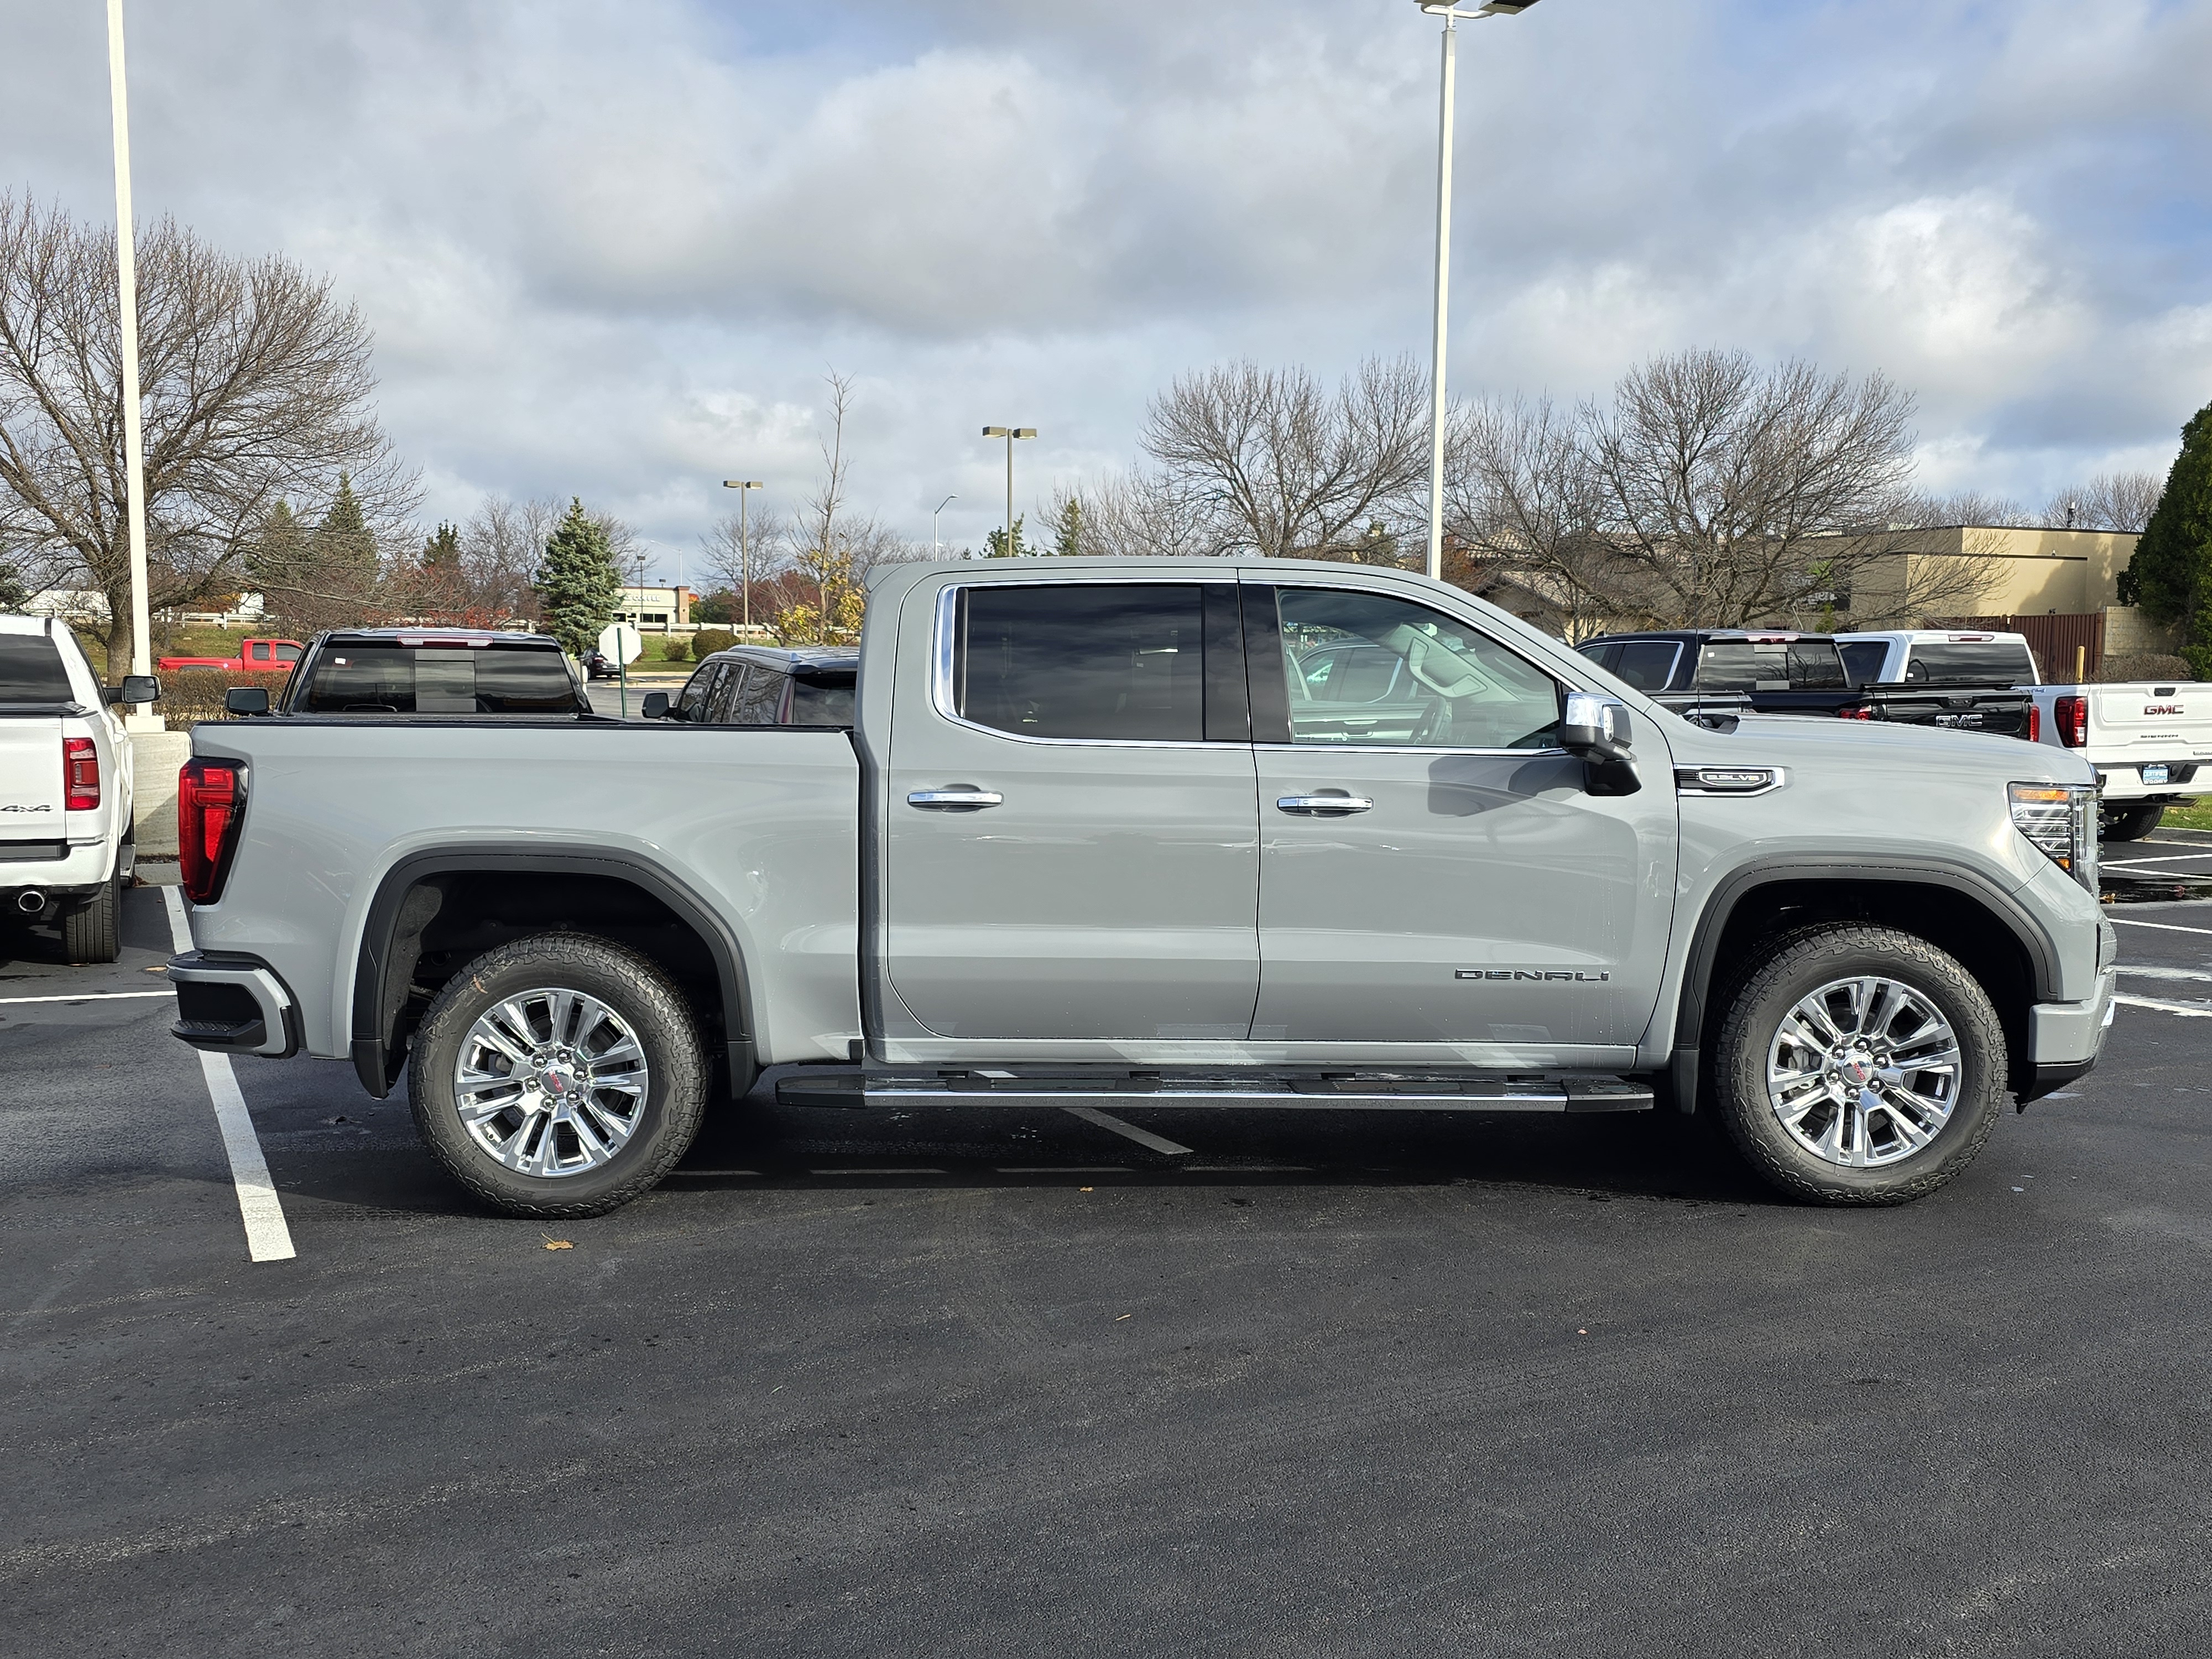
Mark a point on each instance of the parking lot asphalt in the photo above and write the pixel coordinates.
(1012, 1384)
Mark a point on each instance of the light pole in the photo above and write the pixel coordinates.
(126, 282)
(936, 548)
(1451, 15)
(745, 549)
(1010, 432)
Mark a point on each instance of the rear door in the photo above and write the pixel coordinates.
(1470, 892)
(1071, 850)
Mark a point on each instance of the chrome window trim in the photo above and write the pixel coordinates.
(1396, 749)
(943, 647)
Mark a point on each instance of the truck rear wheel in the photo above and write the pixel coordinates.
(558, 1076)
(1859, 1064)
(91, 927)
(2132, 823)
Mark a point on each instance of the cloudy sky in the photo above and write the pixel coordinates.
(612, 248)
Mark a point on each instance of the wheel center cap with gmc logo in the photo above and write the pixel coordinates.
(1855, 1067)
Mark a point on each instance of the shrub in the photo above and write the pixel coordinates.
(196, 694)
(675, 648)
(707, 641)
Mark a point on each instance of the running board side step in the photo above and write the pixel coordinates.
(1318, 1090)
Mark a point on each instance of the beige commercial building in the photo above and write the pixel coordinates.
(1988, 570)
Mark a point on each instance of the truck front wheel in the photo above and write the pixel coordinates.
(1859, 1064)
(558, 1076)
(2132, 823)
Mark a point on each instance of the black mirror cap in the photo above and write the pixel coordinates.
(656, 705)
(246, 700)
(135, 688)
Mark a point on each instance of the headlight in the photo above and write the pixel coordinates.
(2062, 820)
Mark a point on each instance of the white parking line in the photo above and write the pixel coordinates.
(2167, 973)
(2138, 864)
(2163, 927)
(268, 1239)
(1142, 1137)
(2186, 1010)
(94, 996)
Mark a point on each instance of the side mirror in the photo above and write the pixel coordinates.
(137, 687)
(656, 705)
(246, 700)
(1596, 728)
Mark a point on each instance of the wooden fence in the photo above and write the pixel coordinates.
(2053, 639)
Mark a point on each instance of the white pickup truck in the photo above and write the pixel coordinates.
(2151, 743)
(66, 846)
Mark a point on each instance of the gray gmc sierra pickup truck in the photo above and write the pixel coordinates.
(1104, 832)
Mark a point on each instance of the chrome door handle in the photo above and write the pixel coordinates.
(952, 799)
(1323, 803)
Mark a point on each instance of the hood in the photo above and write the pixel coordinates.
(1874, 747)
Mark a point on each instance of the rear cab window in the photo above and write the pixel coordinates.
(32, 671)
(386, 677)
(1862, 661)
(1969, 662)
(1770, 665)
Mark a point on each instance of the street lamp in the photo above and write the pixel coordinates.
(134, 445)
(1451, 15)
(1010, 432)
(936, 549)
(744, 546)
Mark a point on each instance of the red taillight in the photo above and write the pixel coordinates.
(2034, 723)
(80, 774)
(2071, 715)
(210, 800)
(1860, 713)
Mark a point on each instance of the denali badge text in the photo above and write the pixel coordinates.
(1572, 976)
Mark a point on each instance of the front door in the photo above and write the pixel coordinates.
(1470, 890)
(1072, 847)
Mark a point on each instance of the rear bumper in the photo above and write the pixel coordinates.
(59, 866)
(228, 1004)
(2185, 780)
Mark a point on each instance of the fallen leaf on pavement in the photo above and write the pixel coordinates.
(558, 1244)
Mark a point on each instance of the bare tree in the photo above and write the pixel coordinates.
(1523, 503)
(256, 387)
(1283, 468)
(2111, 500)
(1147, 515)
(1964, 507)
(828, 546)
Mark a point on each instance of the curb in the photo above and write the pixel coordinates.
(2202, 837)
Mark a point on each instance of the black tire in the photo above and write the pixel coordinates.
(2130, 822)
(91, 927)
(636, 991)
(1799, 965)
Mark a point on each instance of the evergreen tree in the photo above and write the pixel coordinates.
(2171, 574)
(278, 553)
(1068, 530)
(577, 581)
(996, 545)
(442, 553)
(342, 550)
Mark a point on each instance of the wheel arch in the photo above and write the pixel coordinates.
(449, 891)
(1994, 938)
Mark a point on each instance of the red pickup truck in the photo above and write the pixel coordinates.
(254, 657)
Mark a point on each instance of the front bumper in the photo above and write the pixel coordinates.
(228, 1004)
(2065, 1038)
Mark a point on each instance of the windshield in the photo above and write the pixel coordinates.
(819, 699)
(1976, 662)
(31, 670)
(439, 679)
(1763, 666)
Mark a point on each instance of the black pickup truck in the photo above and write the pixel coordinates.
(1695, 671)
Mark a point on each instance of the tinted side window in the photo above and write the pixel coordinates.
(821, 703)
(725, 694)
(1104, 660)
(1647, 664)
(1971, 662)
(1450, 687)
(31, 670)
(1863, 662)
(758, 703)
(690, 699)
(287, 654)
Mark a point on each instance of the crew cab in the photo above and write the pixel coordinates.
(1086, 842)
(1785, 674)
(254, 657)
(766, 686)
(67, 841)
(424, 671)
(1931, 657)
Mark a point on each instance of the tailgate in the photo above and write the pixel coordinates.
(30, 777)
(2152, 720)
(2000, 713)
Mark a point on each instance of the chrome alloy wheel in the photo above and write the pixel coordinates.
(550, 1082)
(1863, 1072)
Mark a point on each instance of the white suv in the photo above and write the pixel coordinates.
(66, 843)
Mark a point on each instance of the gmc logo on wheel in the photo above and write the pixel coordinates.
(2163, 708)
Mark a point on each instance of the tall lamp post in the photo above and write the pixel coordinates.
(1010, 432)
(936, 547)
(744, 486)
(1451, 15)
(134, 442)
